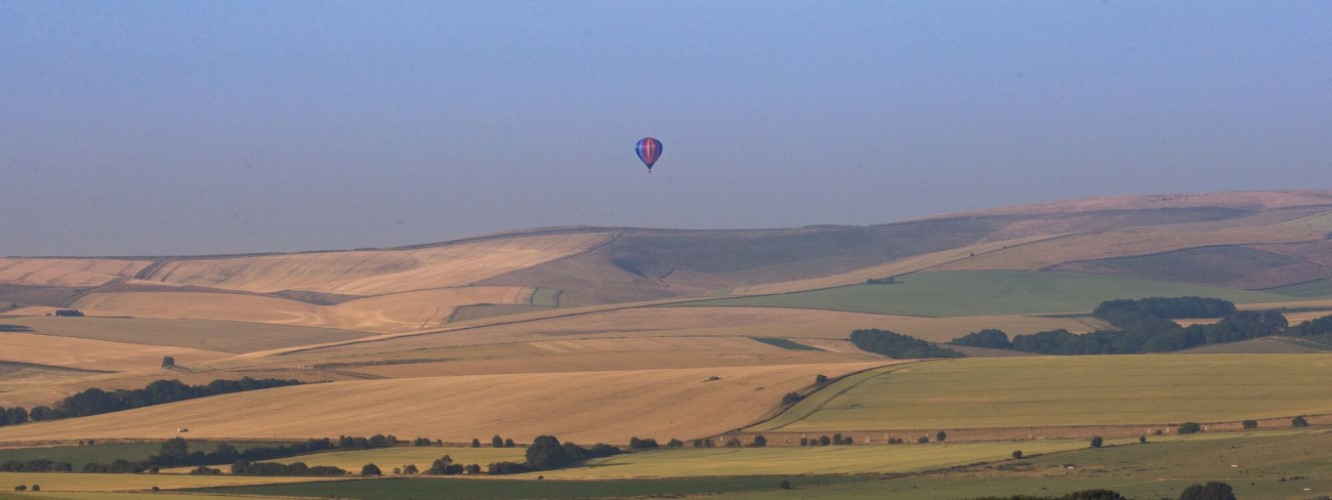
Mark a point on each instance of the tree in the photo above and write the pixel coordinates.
(674, 443)
(786, 485)
(1299, 422)
(941, 436)
(168, 362)
(1189, 428)
(175, 450)
(1017, 453)
(410, 469)
(476, 443)
(804, 441)
(642, 444)
(1142, 439)
(496, 442)
(508, 443)
(1213, 490)
(546, 453)
(1250, 424)
(1096, 441)
(824, 440)
(820, 379)
(472, 469)
(21, 487)
(370, 470)
(759, 441)
(922, 440)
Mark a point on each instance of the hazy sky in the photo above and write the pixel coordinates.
(208, 127)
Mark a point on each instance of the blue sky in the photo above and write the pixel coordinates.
(210, 127)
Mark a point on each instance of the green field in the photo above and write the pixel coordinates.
(421, 456)
(774, 461)
(784, 343)
(465, 488)
(1067, 391)
(546, 297)
(107, 453)
(58, 481)
(1308, 289)
(1268, 465)
(985, 293)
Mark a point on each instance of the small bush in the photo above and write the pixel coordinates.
(922, 440)
(1142, 439)
(1213, 490)
(21, 487)
(759, 442)
(1299, 422)
(674, 443)
(1096, 441)
(1189, 428)
(804, 441)
(410, 469)
(941, 436)
(1250, 424)
(371, 470)
(820, 379)
(786, 485)
(476, 443)
(1017, 453)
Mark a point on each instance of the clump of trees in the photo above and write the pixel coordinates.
(40, 465)
(898, 346)
(245, 468)
(1213, 490)
(1299, 422)
(1188, 428)
(547, 453)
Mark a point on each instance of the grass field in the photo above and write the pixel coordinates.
(107, 453)
(499, 489)
(57, 482)
(584, 407)
(1270, 466)
(422, 456)
(1067, 391)
(85, 354)
(703, 462)
(978, 293)
(546, 297)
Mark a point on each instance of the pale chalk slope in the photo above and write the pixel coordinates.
(382, 314)
(375, 272)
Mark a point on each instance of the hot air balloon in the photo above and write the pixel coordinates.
(648, 149)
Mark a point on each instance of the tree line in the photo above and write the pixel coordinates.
(1142, 326)
(96, 401)
(898, 346)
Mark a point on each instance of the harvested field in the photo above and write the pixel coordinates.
(66, 272)
(381, 314)
(85, 354)
(1067, 391)
(376, 272)
(584, 407)
(220, 336)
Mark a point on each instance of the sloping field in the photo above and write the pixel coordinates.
(88, 354)
(584, 407)
(384, 313)
(650, 322)
(630, 353)
(1225, 266)
(1297, 225)
(66, 272)
(1251, 201)
(1068, 391)
(376, 272)
(220, 336)
(977, 293)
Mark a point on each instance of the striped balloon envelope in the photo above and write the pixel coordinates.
(648, 149)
